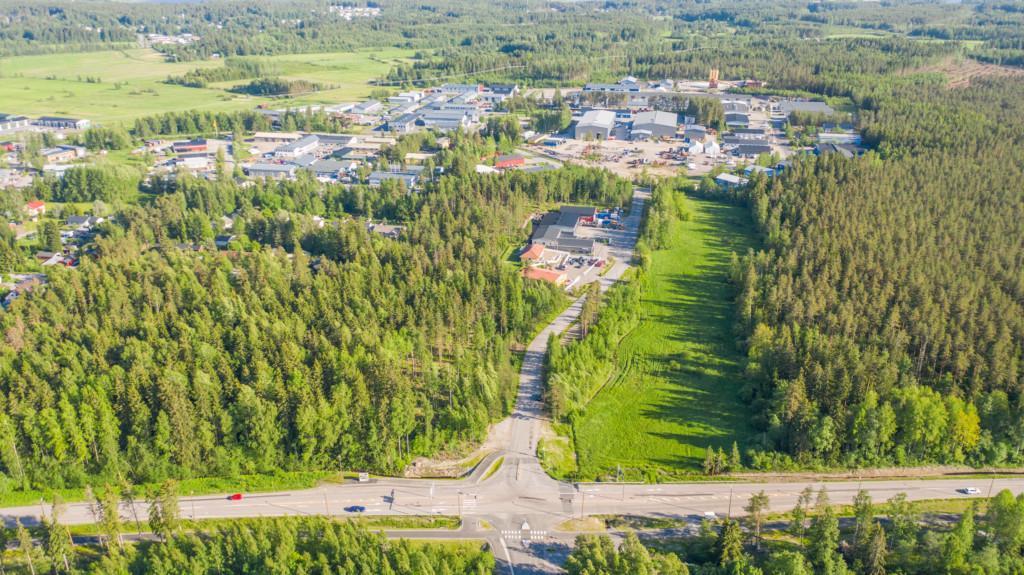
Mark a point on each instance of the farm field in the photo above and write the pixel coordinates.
(132, 83)
(680, 373)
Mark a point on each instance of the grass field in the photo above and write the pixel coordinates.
(677, 388)
(132, 83)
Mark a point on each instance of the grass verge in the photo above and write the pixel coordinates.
(199, 486)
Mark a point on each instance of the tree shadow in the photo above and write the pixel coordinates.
(706, 377)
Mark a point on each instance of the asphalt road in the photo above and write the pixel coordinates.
(520, 503)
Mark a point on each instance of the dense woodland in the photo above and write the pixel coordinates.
(879, 538)
(300, 546)
(885, 318)
(154, 360)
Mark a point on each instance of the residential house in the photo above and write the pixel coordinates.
(386, 230)
(35, 208)
(223, 241)
(23, 286)
(83, 223)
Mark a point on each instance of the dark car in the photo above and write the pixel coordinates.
(355, 509)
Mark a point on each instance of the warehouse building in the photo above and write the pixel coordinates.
(654, 125)
(596, 125)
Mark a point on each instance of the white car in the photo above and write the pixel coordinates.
(969, 490)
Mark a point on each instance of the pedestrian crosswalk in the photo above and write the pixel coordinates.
(526, 535)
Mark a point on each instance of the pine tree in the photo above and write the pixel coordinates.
(874, 556)
(735, 462)
(709, 462)
(110, 519)
(57, 540)
(26, 546)
(756, 509)
(730, 544)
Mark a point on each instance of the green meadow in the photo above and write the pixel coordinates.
(131, 83)
(676, 390)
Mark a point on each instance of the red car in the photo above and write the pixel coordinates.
(235, 497)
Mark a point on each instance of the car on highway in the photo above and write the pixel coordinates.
(355, 509)
(969, 490)
(235, 497)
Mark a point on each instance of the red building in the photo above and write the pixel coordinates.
(506, 162)
(189, 146)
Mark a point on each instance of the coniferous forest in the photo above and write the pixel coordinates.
(153, 360)
(885, 316)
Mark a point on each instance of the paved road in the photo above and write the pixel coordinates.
(521, 503)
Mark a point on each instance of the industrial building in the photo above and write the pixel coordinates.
(654, 125)
(595, 124)
(300, 147)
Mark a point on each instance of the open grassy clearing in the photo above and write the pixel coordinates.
(132, 83)
(131, 86)
(676, 391)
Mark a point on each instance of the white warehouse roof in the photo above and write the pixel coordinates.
(598, 118)
(667, 119)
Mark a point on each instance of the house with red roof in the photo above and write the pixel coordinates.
(553, 276)
(35, 208)
(533, 253)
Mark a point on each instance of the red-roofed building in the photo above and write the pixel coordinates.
(554, 276)
(35, 208)
(532, 253)
(506, 162)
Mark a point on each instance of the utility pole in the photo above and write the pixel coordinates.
(990, 486)
(460, 504)
(729, 514)
(327, 508)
